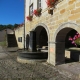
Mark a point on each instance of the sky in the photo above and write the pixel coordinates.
(11, 12)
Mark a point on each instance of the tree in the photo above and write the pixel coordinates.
(16, 25)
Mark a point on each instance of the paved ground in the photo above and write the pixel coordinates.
(10, 69)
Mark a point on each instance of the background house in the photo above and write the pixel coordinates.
(19, 33)
(4, 34)
(8, 38)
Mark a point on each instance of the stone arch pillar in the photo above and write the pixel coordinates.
(59, 41)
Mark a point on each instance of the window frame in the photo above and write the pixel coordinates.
(31, 11)
(38, 4)
(19, 39)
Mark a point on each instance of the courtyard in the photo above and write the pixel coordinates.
(10, 69)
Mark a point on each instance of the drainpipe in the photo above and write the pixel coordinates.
(24, 22)
(6, 38)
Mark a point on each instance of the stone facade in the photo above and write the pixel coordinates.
(66, 16)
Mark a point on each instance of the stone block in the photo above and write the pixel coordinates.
(67, 54)
(78, 21)
(70, 7)
(71, 2)
(78, 4)
(62, 6)
(75, 11)
(64, 15)
(59, 21)
(74, 17)
(62, 11)
(55, 18)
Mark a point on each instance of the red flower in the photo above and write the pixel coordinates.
(70, 38)
(51, 3)
(37, 12)
(73, 40)
(29, 18)
(79, 36)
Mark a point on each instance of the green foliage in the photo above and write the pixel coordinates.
(16, 25)
(77, 41)
(10, 26)
(2, 27)
(3, 43)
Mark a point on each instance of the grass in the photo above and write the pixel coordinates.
(3, 43)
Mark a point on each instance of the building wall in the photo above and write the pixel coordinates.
(9, 31)
(66, 12)
(19, 32)
(3, 34)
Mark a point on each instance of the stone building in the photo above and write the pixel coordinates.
(52, 25)
(7, 37)
(4, 33)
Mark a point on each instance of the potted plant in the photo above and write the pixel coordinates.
(29, 18)
(75, 40)
(51, 3)
(37, 12)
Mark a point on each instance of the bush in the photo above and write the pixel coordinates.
(77, 41)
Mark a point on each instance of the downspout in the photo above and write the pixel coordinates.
(24, 22)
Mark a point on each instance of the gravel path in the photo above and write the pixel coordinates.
(10, 69)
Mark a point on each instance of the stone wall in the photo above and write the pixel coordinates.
(4, 33)
(65, 12)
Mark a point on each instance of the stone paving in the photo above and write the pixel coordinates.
(10, 69)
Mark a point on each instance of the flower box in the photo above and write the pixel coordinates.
(29, 18)
(51, 3)
(37, 12)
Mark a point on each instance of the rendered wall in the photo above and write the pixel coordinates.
(19, 32)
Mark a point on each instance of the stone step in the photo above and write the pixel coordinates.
(33, 55)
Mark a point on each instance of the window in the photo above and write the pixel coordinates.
(19, 39)
(38, 4)
(31, 10)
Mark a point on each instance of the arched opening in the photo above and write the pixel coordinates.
(68, 43)
(41, 36)
(41, 39)
(35, 41)
(63, 53)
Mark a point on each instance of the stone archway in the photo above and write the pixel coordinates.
(45, 27)
(59, 39)
(42, 36)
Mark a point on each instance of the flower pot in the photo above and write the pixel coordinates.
(50, 11)
(29, 18)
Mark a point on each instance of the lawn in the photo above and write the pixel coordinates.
(3, 43)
